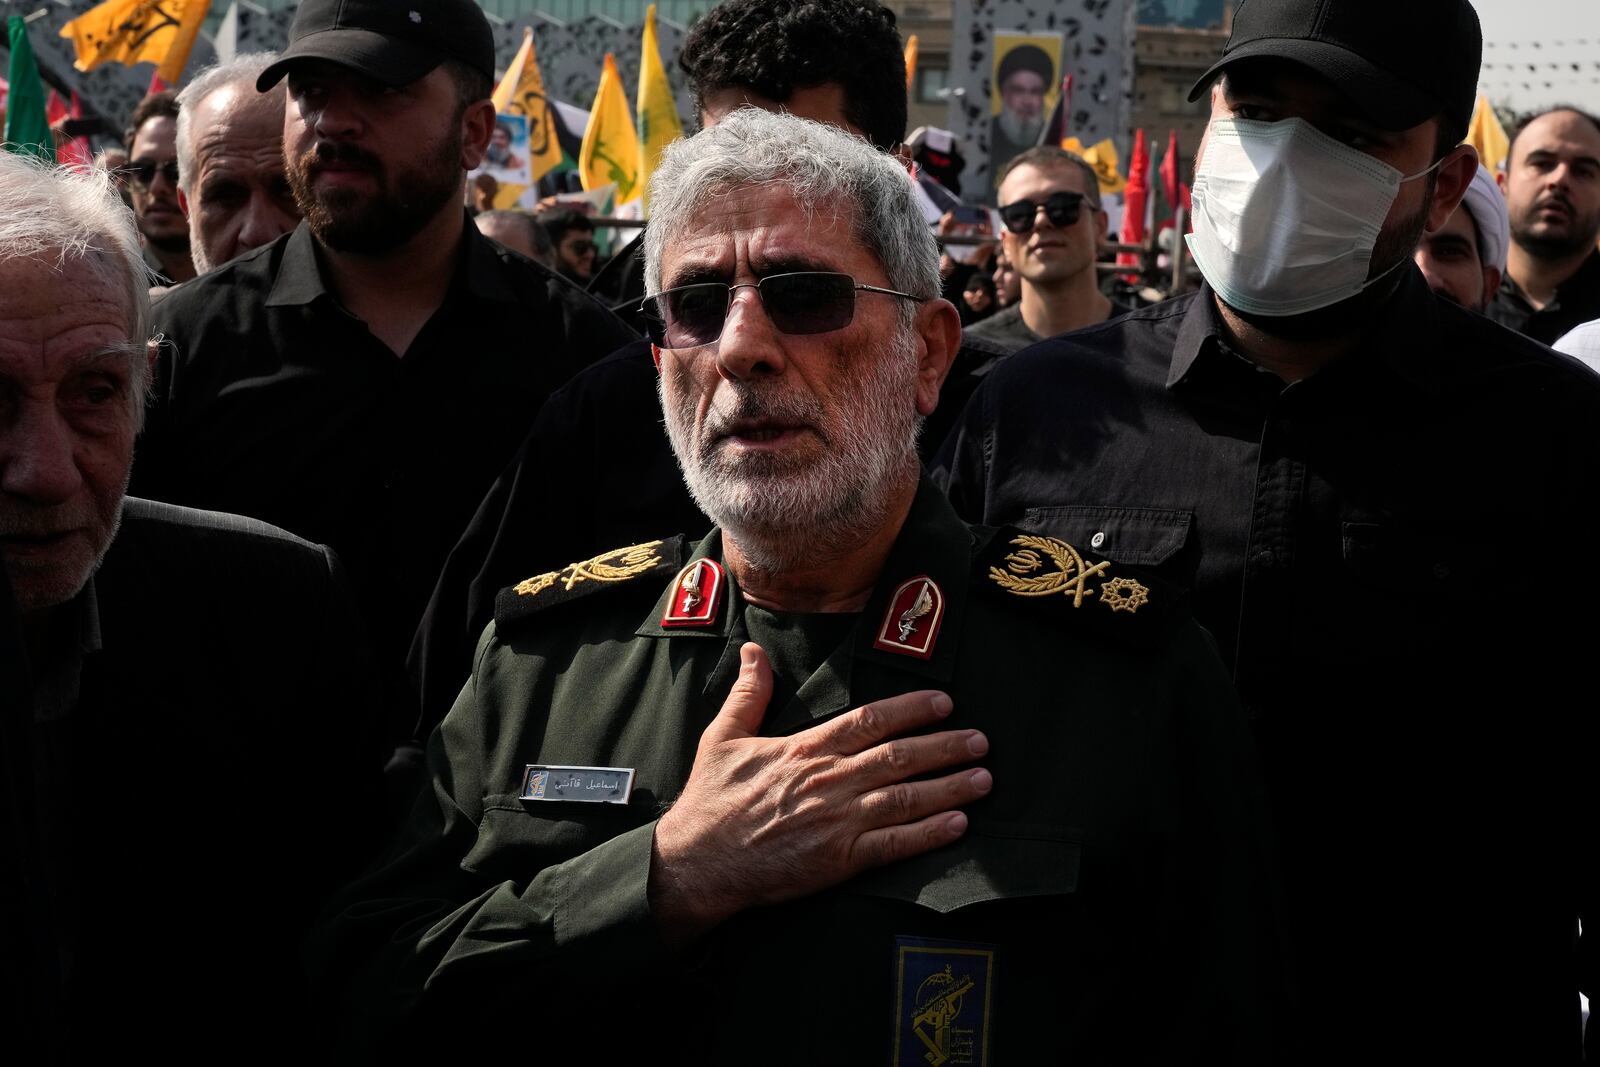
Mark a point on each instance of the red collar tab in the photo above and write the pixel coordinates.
(911, 623)
(696, 595)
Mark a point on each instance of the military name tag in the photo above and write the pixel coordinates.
(586, 785)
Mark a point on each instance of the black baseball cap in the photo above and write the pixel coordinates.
(1401, 61)
(393, 41)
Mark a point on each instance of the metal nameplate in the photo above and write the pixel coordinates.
(586, 785)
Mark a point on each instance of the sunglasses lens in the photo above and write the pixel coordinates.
(809, 302)
(1018, 217)
(688, 317)
(144, 174)
(1062, 209)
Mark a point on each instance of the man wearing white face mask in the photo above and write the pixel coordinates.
(1383, 506)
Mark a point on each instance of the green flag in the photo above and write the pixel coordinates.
(27, 130)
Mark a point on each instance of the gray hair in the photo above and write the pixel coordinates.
(55, 215)
(242, 69)
(824, 166)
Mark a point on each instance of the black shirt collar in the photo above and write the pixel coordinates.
(1404, 334)
(478, 273)
(1582, 282)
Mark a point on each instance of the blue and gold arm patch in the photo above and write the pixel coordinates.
(608, 570)
(1097, 595)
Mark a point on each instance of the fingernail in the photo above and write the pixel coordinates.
(956, 823)
(981, 780)
(977, 744)
(942, 704)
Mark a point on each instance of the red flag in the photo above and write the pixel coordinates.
(1176, 192)
(75, 151)
(156, 85)
(1134, 198)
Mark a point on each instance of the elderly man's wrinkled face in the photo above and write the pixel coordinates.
(1451, 262)
(68, 415)
(795, 435)
(239, 197)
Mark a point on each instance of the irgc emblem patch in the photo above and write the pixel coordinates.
(943, 1002)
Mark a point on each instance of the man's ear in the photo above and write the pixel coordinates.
(477, 126)
(183, 202)
(655, 354)
(939, 327)
(1456, 171)
(1491, 284)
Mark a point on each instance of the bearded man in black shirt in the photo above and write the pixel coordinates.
(362, 380)
(1384, 507)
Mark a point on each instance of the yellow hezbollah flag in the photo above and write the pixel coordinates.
(137, 31)
(1486, 134)
(911, 61)
(521, 92)
(1103, 158)
(658, 112)
(610, 151)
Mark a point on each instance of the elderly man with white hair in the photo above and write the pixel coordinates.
(231, 180)
(171, 844)
(847, 781)
(1465, 259)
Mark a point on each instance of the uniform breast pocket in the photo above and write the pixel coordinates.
(988, 864)
(1138, 537)
(517, 837)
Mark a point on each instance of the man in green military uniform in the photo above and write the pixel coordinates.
(848, 781)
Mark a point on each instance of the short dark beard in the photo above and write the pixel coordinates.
(1557, 246)
(172, 245)
(350, 222)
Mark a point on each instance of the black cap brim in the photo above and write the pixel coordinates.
(1390, 103)
(385, 59)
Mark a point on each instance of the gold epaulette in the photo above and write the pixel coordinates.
(608, 570)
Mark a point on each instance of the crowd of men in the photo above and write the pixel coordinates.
(405, 650)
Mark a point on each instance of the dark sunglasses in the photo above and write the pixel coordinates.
(1062, 209)
(144, 174)
(801, 303)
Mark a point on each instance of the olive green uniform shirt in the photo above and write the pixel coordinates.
(1108, 902)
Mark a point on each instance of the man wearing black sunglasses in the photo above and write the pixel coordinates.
(1053, 230)
(152, 173)
(654, 801)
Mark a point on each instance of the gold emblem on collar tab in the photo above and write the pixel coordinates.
(696, 595)
(911, 621)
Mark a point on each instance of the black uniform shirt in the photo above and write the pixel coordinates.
(1576, 302)
(1395, 557)
(275, 402)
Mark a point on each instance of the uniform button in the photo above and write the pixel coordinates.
(1266, 557)
(1098, 539)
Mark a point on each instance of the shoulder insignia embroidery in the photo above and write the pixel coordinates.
(577, 579)
(1047, 568)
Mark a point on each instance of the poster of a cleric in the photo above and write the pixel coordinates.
(507, 161)
(1026, 86)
